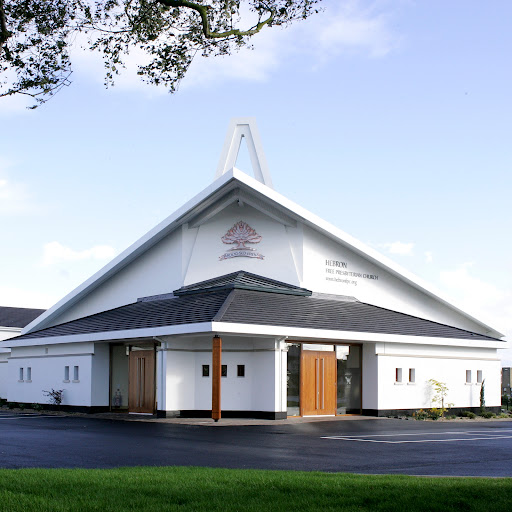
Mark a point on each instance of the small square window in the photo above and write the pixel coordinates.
(398, 375)
(206, 370)
(240, 370)
(21, 374)
(76, 375)
(479, 376)
(468, 376)
(29, 373)
(66, 373)
(412, 374)
(224, 370)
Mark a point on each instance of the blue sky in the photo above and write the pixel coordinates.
(390, 119)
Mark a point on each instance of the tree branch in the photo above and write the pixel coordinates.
(202, 10)
(4, 32)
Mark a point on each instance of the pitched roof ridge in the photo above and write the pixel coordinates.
(244, 280)
(225, 305)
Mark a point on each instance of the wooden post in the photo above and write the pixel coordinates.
(216, 376)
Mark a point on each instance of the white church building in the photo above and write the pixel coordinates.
(246, 304)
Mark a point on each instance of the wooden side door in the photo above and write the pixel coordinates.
(318, 383)
(141, 381)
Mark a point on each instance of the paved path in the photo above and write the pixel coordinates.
(359, 446)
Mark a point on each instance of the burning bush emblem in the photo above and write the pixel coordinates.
(240, 234)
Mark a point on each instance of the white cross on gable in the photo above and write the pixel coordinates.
(244, 127)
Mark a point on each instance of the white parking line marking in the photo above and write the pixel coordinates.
(418, 440)
(482, 435)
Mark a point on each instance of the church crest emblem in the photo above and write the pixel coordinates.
(240, 235)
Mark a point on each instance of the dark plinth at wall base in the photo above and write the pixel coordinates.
(454, 411)
(261, 415)
(71, 408)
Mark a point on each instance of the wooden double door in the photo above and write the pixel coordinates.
(141, 381)
(318, 383)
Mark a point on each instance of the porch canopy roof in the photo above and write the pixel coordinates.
(244, 298)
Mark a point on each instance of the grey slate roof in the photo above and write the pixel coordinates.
(321, 313)
(156, 313)
(242, 280)
(18, 317)
(218, 300)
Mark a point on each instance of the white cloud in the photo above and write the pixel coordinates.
(14, 196)
(22, 298)
(348, 28)
(54, 253)
(491, 304)
(353, 27)
(429, 256)
(398, 247)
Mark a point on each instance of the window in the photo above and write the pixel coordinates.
(412, 374)
(468, 376)
(240, 370)
(479, 376)
(76, 376)
(66, 373)
(21, 375)
(29, 374)
(398, 375)
(224, 370)
(206, 370)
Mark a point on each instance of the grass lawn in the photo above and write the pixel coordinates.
(186, 488)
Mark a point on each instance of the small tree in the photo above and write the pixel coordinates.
(54, 396)
(441, 392)
(482, 396)
(36, 36)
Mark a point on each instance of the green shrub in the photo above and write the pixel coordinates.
(504, 415)
(11, 405)
(37, 407)
(436, 412)
(487, 414)
(468, 414)
(420, 415)
(21, 406)
(3, 401)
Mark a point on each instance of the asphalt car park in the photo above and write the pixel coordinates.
(371, 446)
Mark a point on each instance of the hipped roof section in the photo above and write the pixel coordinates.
(224, 190)
(263, 304)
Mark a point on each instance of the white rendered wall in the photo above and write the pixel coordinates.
(370, 375)
(157, 271)
(47, 364)
(444, 364)
(372, 284)
(100, 371)
(4, 354)
(5, 334)
(260, 390)
(277, 263)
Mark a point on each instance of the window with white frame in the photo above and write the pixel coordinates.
(21, 375)
(412, 375)
(398, 374)
(29, 374)
(76, 376)
(468, 376)
(66, 373)
(479, 376)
